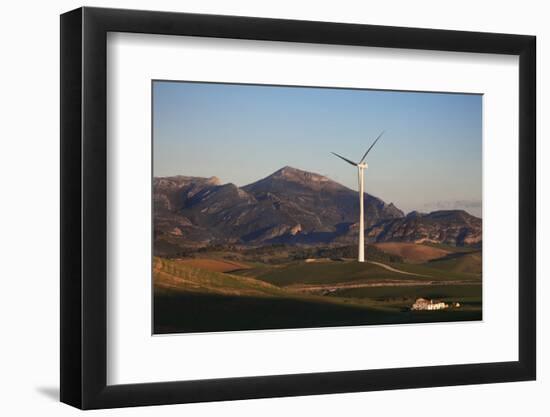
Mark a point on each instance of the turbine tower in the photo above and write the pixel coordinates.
(361, 166)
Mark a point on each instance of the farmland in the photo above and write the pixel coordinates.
(223, 290)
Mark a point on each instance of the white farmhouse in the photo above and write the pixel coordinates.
(424, 304)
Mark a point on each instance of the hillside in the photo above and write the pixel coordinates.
(412, 252)
(289, 206)
(470, 262)
(171, 276)
(451, 227)
(292, 207)
(196, 299)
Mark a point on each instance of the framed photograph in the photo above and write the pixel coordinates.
(257, 208)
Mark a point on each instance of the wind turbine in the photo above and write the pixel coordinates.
(361, 166)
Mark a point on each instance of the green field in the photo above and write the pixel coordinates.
(318, 273)
(317, 293)
(193, 312)
(447, 269)
(461, 293)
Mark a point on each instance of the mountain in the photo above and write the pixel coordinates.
(315, 202)
(452, 227)
(290, 206)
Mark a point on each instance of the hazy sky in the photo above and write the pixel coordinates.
(428, 159)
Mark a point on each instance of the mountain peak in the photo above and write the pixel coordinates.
(292, 174)
(288, 170)
(184, 179)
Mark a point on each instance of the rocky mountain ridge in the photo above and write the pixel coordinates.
(291, 206)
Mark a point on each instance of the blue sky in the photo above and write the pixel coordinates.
(428, 159)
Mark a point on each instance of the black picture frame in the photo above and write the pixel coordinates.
(84, 207)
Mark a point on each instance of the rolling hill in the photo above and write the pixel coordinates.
(412, 252)
(192, 299)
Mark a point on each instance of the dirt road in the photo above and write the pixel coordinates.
(392, 269)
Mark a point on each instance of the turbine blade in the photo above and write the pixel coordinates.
(368, 150)
(345, 159)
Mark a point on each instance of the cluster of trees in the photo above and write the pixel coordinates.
(277, 253)
(350, 251)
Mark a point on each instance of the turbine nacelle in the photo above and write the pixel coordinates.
(361, 163)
